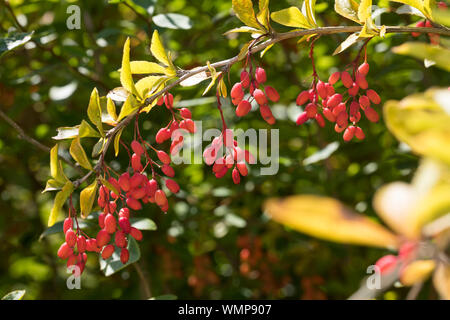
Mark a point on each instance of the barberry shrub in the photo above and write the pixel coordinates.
(343, 98)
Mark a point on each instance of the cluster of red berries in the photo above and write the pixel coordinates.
(390, 262)
(75, 247)
(341, 109)
(434, 38)
(168, 131)
(224, 153)
(252, 82)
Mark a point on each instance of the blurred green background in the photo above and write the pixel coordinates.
(198, 248)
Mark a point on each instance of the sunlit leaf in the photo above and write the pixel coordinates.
(365, 10)
(158, 50)
(146, 67)
(128, 107)
(440, 55)
(328, 219)
(111, 108)
(77, 152)
(347, 9)
(418, 4)
(352, 39)
(126, 78)
(146, 84)
(53, 185)
(243, 29)
(85, 130)
(417, 271)
(441, 280)
(291, 17)
(14, 295)
(56, 170)
(244, 11)
(87, 198)
(263, 14)
(14, 40)
(95, 111)
(308, 10)
(117, 142)
(60, 199)
(143, 223)
(113, 264)
(172, 21)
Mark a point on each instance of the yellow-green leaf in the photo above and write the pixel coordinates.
(328, 219)
(129, 106)
(263, 15)
(95, 111)
(111, 108)
(146, 67)
(60, 199)
(441, 280)
(308, 10)
(117, 142)
(347, 9)
(244, 11)
(158, 50)
(291, 17)
(126, 78)
(109, 186)
(85, 130)
(53, 185)
(87, 197)
(440, 55)
(352, 39)
(146, 85)
(77, 152)
(365, 10)
(243, 29)
(418, 4)
(55, 166)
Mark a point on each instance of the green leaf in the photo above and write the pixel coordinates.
(291, 17)
(172, 21)
(56, 170)
(263, 15)
(14, 40)
(158, 50)
(98, 147)
(347, 9)
(146, 67)
(126, 78)
(95, 111)
(111, 108)
(15, 295)
(60, 199)
(58, 228)
(53, 185)
(117, 142)
(328, 219)
(129, 106)
(77, 152)
(243, 29)
(143, 223)
(440, 55)
(85, 131)
(113, 264)
(146, 84)
(442, 17)
(109, 186)
(87, 198)
(352, 39)
(244, 11)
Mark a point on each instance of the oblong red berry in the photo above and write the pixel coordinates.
(311, 110)
(168, 170)
(235, 175)
(185, 113)
(329, 115)
(341, 107)
(124, 255)
(364, 101)
(346, 79)
(419, 24)
(243, 108)
(387, 263)
(245, 79)
(160, 198)
(371, 114)
(342, 119)
(124, 212)
(168, 100)
(373, 96)
(160, 101)
(71, 238)
(138, 179)
(364, 68)
(334, 100)
(330, 89)
(65, 251)
(272, 94)
(349, 133)
(81, 244)
(321, 89)
(353, 91)
(242, 167)
(190, 125)
(320, 120)
(163, 157)
(68, 224)
(120, 239)
(137, 147)
(91, 245)
(302, 118)
(237, 93)
(103, 238)
(302, 98)
(359, 133)
(260, 97)
(139, 193)
(110, 223)
(136, 233)
(136, 162)
(334, 77)
(162, 135)
(101, 220)
(133, 204)
(124, 182)
(260, 75)
(107, 251)
(172, 186)
(361, 81)
(152, 186)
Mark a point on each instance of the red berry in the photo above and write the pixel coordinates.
(359, 133)
(361, 81)
(364, 69)
(407, 250)
(329, 115)
(243, 108)
(163, 157)
(101, 220)
(353, 91)
(168, 100)
(260, 97)
(190, 126)
(260, 75)
(185, 113)
(302, 98)
(341, 107)
(124, 212)
(137, 180)
(139, 193)
(71, 238)
(152, 186)
(330, 89)
(236, 177)
(245, 79)
(373, 96)
(172, 186)
(272, 94)
(334, 100)
(103, 238)
(346, 79)
(371, 114)
(134, 204)
(237, 93)
(321, 89)
(168, 170)
(91, 245)
(136, 233)
(302, 118)
(364, 102)
(124, 255)
(163, 135)
(311, 110)
(160, 101)
(68, 224)
(107, 251)
(136, 162)
(334, 78)
(242, 167)
(342, 119)
(137, 147)
(124, 182)
(419, 24)
(81, 244)
(349, 133)
(320, 120)
(387, 263)
(120, 239)
(160, 198)
(110, 223)
(65, 251)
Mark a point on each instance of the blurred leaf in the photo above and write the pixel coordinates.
(113, 264)
(95, 111)
(143, 223)
(165, 297)
(77, 152)
(365, 10)
(441, 280)
(291, 17)
(87, 198)
(126, 78)
(421, 121)
(14, 40)
(60, 199)
(323, 154)
(244, 11)
(440, 55)
(417, 271)
(351, 40)
(328, 219)
(415, 4)
(172, 21)
(442, 16)
(347, 9)
(15, 295)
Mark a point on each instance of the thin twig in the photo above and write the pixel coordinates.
(144, 280)
(415, 290)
